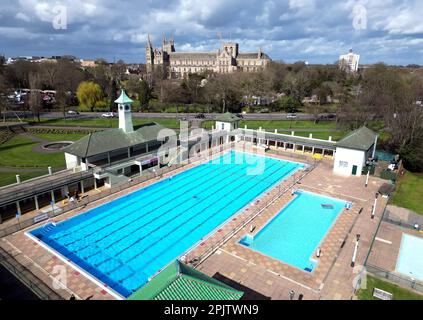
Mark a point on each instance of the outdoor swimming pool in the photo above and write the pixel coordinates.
(294, 234)
(410, 261)
(124, 242)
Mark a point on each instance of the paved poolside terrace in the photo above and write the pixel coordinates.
(261, 277)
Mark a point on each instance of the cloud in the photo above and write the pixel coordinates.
(289, 30)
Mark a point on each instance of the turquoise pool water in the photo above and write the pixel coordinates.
(126, 241)
(410, 259)
(294, 234)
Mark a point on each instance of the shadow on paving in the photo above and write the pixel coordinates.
(12, 289)
(249, 294)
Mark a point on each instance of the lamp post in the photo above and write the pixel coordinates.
(374, 206)
(355, 250)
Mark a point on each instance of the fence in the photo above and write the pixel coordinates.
(395, 278)
(108, 192)
(27, 277)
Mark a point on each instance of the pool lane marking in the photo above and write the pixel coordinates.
(270, 271)
(383, 240)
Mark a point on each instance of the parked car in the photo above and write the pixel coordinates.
(291, 116)
(200, 116)
(108, 115)
(73, 112)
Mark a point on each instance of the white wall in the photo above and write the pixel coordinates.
(226, 126)
(71, 161)
(345, 159)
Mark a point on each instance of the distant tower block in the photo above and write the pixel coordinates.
(125, 117)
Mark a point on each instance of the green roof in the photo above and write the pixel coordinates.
(180, 282)
(113, 139)
(123, 98)
(360, 139)
(227, 117)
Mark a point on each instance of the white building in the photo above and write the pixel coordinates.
(353, 151)
(349, 61)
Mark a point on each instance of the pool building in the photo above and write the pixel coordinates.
(230, 213)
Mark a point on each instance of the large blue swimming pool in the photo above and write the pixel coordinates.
(126, 241)
(294, 234)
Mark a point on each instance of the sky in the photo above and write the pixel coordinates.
(317, 31)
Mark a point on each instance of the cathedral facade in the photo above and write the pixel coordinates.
(225, 60)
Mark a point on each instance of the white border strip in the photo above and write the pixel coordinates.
(75, 267)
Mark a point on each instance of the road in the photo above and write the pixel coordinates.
(208, 116)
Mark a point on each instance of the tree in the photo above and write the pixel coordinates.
(34, 96)
(144, 93)
(89, 93)
(287, 104)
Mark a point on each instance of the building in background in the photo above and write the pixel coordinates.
(349, 61)
(225, 60)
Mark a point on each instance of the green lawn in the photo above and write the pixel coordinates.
(409, 193)
(10, 177)
(60, 137)
(399, 293)
(324, 135)
(107, 123)
(17, 152)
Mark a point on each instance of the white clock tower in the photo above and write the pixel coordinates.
(125, 117)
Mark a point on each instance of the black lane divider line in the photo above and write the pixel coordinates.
(146, 213)
(123, 213)
(200, 224)
(193, 216)
(189, 231)
(129, 203)
(205, 187)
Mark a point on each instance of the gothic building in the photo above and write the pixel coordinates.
(225, 60)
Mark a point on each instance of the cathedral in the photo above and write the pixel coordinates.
(225, 60)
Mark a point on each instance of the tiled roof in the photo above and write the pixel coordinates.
(193, 55)
(360, 139)
(180, 282)
(113, 139)
(123, 98)
(227, 117)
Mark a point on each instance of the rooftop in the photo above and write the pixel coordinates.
(113, 139)
(360, 139)
(227, 117)
(180, 282)
(123, 98)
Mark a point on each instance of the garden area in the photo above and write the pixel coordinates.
(398, 292)
(409, 192)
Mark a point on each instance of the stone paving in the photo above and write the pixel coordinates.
(259, 274)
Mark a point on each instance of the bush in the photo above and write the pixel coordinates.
(101, 106)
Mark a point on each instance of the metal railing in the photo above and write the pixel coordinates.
(27, 277)
(395, 278)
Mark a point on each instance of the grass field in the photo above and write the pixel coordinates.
(107, 123)
(59, 137)
(17, 152)
(398, 292)
(10, 177)
(409, 193)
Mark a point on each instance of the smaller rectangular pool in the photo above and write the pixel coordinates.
(410, 259)
(295, 233)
